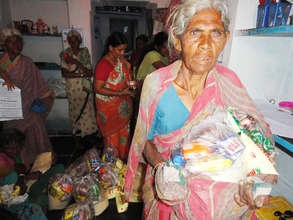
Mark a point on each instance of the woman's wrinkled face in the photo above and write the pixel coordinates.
(74, 42)
(118, 51)
(202, 41)
(13, 46)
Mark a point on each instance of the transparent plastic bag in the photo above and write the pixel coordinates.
(79, 211)
(86, 188)
(211, 148)
(93, 160)
(89, 162)
(110, 154)
(9, 195)
(78, 168)
(60, 186)
(170, 183)
(109, 177)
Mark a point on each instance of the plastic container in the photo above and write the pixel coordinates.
(287, 105)
(273, 14)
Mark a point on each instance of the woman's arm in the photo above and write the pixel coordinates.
(101, 89)
(152, 156)
(86, 72)
(158, 64)
(66, 74)
(48, 100)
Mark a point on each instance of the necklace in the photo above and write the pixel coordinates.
(180, 86)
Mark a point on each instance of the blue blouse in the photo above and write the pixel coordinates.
(170, 114)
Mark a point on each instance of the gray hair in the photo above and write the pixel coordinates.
(182, 13)
(8, 32)
(74, 33)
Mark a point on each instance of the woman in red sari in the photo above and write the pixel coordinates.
(113, 95)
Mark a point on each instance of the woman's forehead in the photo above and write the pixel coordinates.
(207, 16)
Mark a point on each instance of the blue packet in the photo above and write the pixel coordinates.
(38, 106)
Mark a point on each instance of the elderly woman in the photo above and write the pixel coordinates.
(113, 101)
(77, 70)
(20, 71)
(179, 96)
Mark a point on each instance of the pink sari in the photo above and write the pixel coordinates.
(207, 199)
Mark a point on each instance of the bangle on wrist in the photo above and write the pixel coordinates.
(156, 167)
(81, 75)
(21, 174)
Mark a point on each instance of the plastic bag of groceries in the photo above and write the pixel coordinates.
(110, 154)
(217, 148)
(109, 177)
(259, 153)
(89, 162)
(86, 188)
(60, 186)
(78, 168)
(79, 211)
(213, 149)
(59, 191)
(10, 195)
(93, 160)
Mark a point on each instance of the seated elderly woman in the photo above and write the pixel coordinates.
(20, 71)
(35, 183)
(179, 96)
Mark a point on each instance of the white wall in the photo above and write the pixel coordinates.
(53, 12)
(262, 63)
(79, 17)
(5, 13)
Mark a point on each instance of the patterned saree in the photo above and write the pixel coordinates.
(207, 199)
(114, 112)
(26, 76)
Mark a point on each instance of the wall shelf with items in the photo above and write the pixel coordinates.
(47, 66)
(277, 31)
(41, 35)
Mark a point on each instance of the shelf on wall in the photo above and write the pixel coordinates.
(42, 35)
(277, 31)
(47, 66)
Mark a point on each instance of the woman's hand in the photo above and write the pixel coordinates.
(71, 60)
(22, 186)
(127, 91)
(7, 81)
(245, 196)
(20, 168)
(9, 84)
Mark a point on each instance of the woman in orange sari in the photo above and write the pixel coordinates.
(113, 101)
